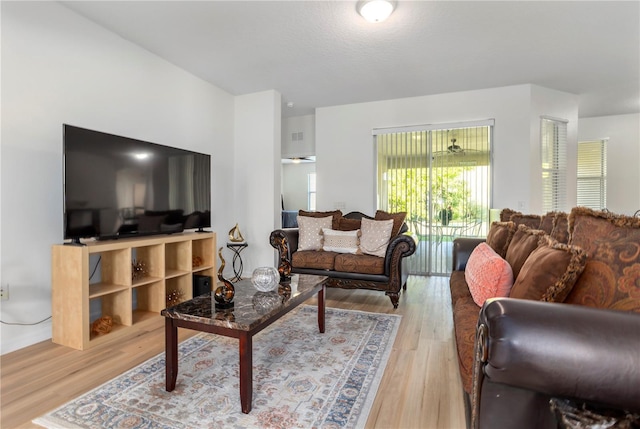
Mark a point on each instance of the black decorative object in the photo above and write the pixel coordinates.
(224, 293)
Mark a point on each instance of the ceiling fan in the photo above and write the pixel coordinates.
(452, 149)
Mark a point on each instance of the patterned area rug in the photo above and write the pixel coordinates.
(301, 379)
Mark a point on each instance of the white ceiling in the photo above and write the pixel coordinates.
(322, 53)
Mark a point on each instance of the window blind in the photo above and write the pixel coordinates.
(592, 174)
(553, 137)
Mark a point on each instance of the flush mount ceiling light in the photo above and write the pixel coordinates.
(375, 10)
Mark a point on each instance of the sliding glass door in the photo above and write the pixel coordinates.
(442, 178)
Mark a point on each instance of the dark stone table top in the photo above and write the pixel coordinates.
(251, 307)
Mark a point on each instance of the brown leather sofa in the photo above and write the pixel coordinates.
(515, 355)
(365, 271)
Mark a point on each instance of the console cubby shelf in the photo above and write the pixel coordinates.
(169, 264)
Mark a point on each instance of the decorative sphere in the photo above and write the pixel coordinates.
(265, 279)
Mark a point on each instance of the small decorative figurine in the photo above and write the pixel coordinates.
(225, 292)
(138, 269)
(102, 325)
(235, 236)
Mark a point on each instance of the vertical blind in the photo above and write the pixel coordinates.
(424, 170)
(592, 174)
(553, 135)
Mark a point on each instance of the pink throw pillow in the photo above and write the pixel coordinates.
(487, 274)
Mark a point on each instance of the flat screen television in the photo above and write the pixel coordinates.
(121, 187)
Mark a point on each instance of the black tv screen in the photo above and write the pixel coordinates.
(119, 187)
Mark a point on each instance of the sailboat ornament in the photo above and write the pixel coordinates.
(235, 236)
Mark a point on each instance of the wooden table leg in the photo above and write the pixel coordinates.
(321, 304)
(246, 372)
(171, 353)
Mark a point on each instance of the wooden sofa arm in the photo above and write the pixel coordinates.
(555, 350)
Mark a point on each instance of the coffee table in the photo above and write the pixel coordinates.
(252, 312)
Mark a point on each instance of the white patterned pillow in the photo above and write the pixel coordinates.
(310, 231)
(340, 241)
(375, 236)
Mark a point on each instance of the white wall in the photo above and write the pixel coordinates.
(345, 150)
(58, 67)
(623, 157)
(557, 105)
(295, 185)
(307, 126)
(257, 175)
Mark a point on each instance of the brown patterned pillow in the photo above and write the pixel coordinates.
(336, 215)
(546, 224)
(398, 220)
(500, 235)
(524, 241)
(560, 230)
(505, 214)
(530, 220)
(611, 277)
(549, 272)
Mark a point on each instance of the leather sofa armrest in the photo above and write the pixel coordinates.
(563, 350)
(401, 246)
(462, 248)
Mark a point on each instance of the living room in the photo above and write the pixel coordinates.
(60, 67)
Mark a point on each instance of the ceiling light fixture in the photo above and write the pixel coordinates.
(375, 10)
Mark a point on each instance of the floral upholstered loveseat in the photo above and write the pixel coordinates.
(354, 251)
(568, 328)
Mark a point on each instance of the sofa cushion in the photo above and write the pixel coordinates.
(458, 287)
(611, 277)
(549, 272)
(398, 220)
(375, 236)
(524, 241)
(465, 319)
(335, 215)
(340, 241)
(500, 235)
(487, 274)
(313, 259)
(363, 264)
(310, 231)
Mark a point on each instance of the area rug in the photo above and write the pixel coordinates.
(301, 379)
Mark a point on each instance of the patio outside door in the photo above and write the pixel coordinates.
(442, 178)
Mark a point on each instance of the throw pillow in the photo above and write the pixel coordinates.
(560, 229)
(546, 224)
(487, 274)
(530, 220)
(336, 215)
(549, 272)
(340, 241)
(346, 224)
(505, 214)
(375, 236)
(500, 235)
(398, 220)
(611, 277)
(524, 241)
(310, 228)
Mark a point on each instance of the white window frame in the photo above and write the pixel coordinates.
(553, 145)
(311, 191)
(592, 174)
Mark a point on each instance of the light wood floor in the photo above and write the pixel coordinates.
(420, 389)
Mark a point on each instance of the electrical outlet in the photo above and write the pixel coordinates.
(4, 292)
